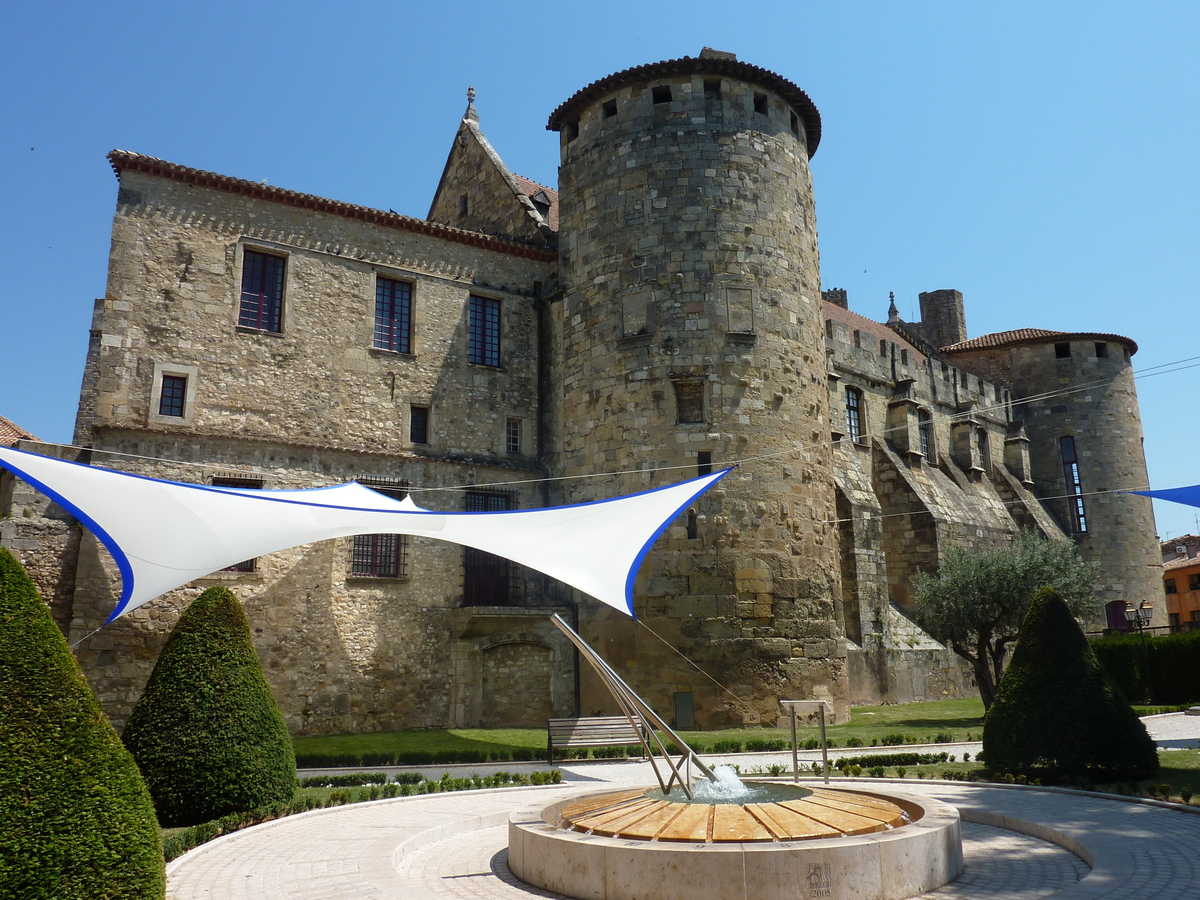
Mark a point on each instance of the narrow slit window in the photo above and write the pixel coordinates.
(795, 123)
(418, 424)
(1074, 485)
(174, 393)
(693, 529)
(463, 205)
(854, 420)
(925, 433)
(703, 462)
(661, 93)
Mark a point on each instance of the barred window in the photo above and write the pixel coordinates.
(381, 555)
(171, 399)
(1074, 485)
(483, 346)
(262, 291)
(854, 420)
(512, 436)
(488, 580)
(245, 482)
(393, 315)
(418, 424)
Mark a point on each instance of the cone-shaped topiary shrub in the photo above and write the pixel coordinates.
(76, 820)
(1057, 712)
(207, 733)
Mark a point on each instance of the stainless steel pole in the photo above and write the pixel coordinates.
(795, 750)
(824, 749)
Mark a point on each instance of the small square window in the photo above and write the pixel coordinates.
(571, 130)
(174, 392)
(760, 103)
(712, 88)
(418, 424)
(512, 436)
(1062, 351)
(609, 108)
(1101, 350)
(661, 93)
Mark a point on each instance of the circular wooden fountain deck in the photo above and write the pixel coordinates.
(821, 814)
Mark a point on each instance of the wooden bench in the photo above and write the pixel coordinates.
(597, 731)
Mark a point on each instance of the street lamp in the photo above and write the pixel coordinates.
(1140, 616)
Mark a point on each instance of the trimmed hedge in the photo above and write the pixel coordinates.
(1174, 676)
(76, 820)
(892, 759)
(206, 733)
(1057, 712)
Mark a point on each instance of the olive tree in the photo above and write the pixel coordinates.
(976, 602)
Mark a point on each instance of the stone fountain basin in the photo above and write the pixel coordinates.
(753, 858)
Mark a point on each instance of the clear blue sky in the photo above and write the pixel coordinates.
(1040, 157)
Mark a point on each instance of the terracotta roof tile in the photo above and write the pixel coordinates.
(1182, 563)
(10, 433)
(531, 188)
(123, 159)
(877, 330)
(1002, 339)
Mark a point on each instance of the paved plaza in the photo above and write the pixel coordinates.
(1019, 843)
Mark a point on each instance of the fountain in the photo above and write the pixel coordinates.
(724, 839)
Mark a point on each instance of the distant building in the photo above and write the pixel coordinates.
(1181, 581)
(658, 314)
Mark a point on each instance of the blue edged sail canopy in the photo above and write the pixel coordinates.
(164, 534)
(1189, 496)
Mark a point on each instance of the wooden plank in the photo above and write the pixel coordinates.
(689, 825)
(634, 819)
(599, 821)
(845, 822)
(605, 801)
(649, 827)
(795, 825)
(732, 823)
(890, 814)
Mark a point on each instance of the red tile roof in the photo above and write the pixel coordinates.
(10, 433)
(1003, 339)
(122, 160)
(877, 330)
(708, 65)
(1182, 563)
(530, 188)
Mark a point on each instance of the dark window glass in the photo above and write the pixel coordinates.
(1066, 447)
(393, 315)
(689, 402)
(418, 424)
(703, 462)
(854, 414)
(1194, 582)
(381, 555)
(1169, 583)
(925, 433)
(484, 339)
(234, 481)
(487, 579)
(174, 390)
(262, 292)
(512, 436)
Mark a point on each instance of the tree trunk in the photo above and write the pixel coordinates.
(983, 675)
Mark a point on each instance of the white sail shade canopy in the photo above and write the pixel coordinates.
(164, 534)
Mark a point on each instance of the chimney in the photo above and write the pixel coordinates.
(836, 296)
(943, 321)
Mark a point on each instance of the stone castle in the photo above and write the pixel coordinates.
(657, 315)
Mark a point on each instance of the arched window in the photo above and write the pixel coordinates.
(854, 414)
(925, 433)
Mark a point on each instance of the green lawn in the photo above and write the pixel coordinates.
(960, 719)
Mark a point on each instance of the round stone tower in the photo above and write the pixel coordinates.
(690, 336)
(1075, 395)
